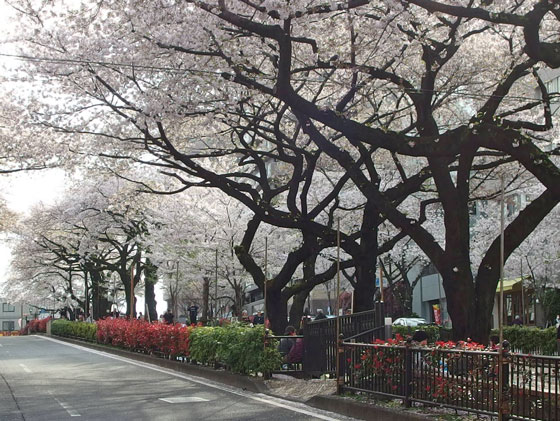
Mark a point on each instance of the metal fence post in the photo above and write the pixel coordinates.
(266, 375)
(341, 371)
(408, 374)
(380, 315)
(506, 392)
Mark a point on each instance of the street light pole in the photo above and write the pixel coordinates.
(501, 315)
(265, 275)
(131, 291)
(216, 290)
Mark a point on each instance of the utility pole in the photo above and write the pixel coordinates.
(131, 291)
(501, 314)
(216, 290)
(265, 275)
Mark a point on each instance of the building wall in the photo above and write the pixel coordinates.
(429, 291)
(10, 315)
(551, 78)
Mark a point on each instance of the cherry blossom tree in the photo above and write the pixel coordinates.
(346, 85)
(93, 231)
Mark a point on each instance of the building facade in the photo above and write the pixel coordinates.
(13, 315)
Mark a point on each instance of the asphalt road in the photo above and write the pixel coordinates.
(45, 379)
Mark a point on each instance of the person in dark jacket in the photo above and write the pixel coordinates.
(168, 317)
(320, 315)
(193, 312)
(258, 319)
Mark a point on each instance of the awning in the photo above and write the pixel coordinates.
(512, 285)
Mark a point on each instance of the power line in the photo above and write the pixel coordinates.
(133, 66)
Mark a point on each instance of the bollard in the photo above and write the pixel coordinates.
(388, 328)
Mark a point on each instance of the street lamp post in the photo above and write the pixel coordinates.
(216, 289)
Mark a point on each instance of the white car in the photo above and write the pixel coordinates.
(410, 321)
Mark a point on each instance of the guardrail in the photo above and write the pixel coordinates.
(466, 380)
(321, 342)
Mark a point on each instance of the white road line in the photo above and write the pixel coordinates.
(71, 411)
(27, 370)
(259, 397)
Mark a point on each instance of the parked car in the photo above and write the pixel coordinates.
(410, 321)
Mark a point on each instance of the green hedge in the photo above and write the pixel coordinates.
(433, 332)
(530, 340)
(239, 347)
(83, 330)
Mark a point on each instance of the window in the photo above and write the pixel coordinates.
(8, 326)
(553, 87)
(8, 308)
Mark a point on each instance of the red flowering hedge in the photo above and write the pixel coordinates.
(35, 325)
(440, 370)
(139, 335)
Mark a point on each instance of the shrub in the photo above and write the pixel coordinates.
(239, 347)
(433, 332)
(82, 330)
(530, 340)
(35, 326)
(140, 335)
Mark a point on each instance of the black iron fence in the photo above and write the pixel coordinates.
(466, 380)
(320, 339)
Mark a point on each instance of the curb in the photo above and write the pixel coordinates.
(250, 384)
(360, 410)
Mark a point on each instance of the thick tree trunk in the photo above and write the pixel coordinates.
(296, 311)
(364, 289)
(366, 263)
(239, 300)
(126, 281)
(276, 311)
(461, 304)
(205, 299)
(150, 279)
(98, 292)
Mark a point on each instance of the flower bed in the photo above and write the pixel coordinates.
(237, 347)
(34, 326)
(140, 335)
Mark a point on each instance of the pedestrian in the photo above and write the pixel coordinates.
(558, 340)
(296, 353)
(245, 317)
(420, 338)
(320, 315)
(286, 344)
(259, 318)
(517, 321)
(494, 343)
(193, 312)
(168, 317)
(140, 316)
(557, 321)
